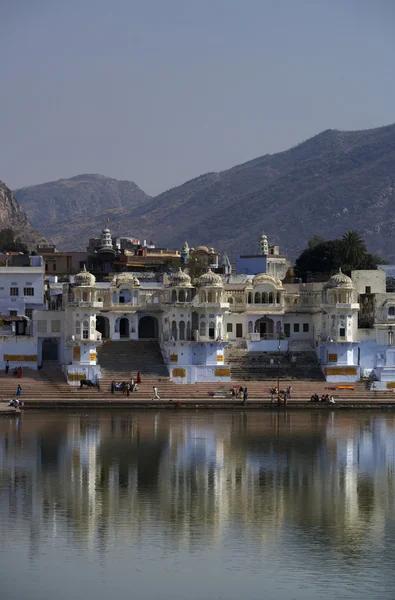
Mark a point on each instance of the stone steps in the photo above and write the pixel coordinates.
(122, 360)
(51, 386)
(263, 366)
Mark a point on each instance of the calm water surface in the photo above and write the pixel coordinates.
(205, 505)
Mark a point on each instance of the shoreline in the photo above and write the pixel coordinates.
(193, 403)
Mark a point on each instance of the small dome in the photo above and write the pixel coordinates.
(179, 279)
(339, 280)
(106, 230)
(210, 279)
(84, 278)
(202, 249)
(126, 279)
(265, 278)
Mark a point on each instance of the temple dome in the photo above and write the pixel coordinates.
(210, 279)
(180, 279)
(202, 249)
(339, 280)
(262, 278)
(84, 278)
(126, 279)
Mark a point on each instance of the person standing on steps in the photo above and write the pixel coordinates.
(138, 378)
(245, 396)
(156, 395)
(19, 390)
(112, 387)
(7, 367)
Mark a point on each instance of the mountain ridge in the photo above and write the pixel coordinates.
(332, 182)
(12, 216)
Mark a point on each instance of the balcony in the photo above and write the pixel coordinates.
(86, 304)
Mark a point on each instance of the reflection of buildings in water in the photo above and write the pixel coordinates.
(121, 475)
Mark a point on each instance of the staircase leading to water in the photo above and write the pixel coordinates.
(123, 359)
(264, 366)
(49, 385)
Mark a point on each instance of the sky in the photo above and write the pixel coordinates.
(161, 91)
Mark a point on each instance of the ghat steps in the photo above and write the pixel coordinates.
(49, 385)
(264, 366)
(123, 359)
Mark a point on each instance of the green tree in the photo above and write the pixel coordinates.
(323, 258)
(9, 243)
(354, 251)
(196, 267)
(315, 241)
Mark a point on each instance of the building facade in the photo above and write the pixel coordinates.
(349, 322)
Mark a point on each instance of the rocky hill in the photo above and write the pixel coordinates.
(69, 211)
(330, 183)
(11, 215)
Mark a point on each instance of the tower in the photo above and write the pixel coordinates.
(185, 253)
(263, 245)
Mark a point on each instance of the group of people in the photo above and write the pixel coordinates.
(324, 398)
(15, 402)
(126, 387)
(240, 392)
(16, 371)
(280, 395)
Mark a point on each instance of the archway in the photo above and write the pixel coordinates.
(103, 326)
(123, 327)
(265, 327)
(148, 328)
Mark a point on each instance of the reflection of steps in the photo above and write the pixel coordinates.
(121, 360)
(263, 366)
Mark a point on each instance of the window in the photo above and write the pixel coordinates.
(368, 289)
(78, 328)
(305, 328)
(14, 291)
(55, 326)
(46, 266)
(13, 313)
(85, 330)
(181, 327)
(211, 330)
(391, 311)
(28, 291)
(202, 329)
(229, 327)
(390, 338)
(29, 313)
(230, 300)
(54, 267)
(296, 327)
(342, 332)
(41, 326)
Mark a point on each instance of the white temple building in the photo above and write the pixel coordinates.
(347, 322)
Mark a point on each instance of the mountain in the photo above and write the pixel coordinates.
(11, 215)
(69, 211)
(335, 181)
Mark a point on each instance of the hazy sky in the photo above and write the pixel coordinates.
(160, 91)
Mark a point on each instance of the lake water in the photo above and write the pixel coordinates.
(189, 505)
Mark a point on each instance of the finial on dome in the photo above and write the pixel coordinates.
(84, 269)
(340, 270)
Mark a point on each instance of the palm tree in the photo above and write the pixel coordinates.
(354, 249)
